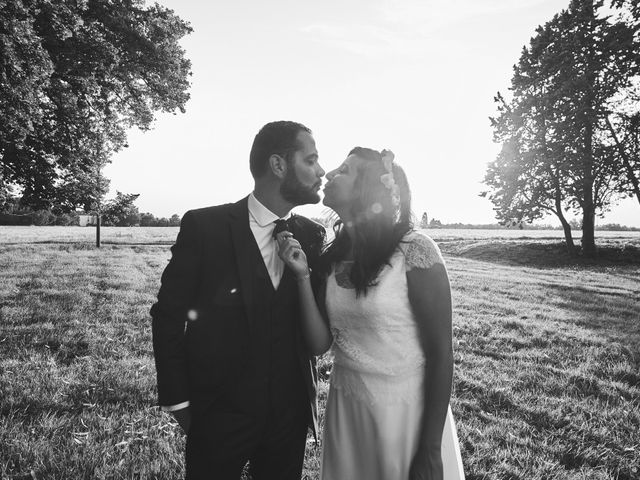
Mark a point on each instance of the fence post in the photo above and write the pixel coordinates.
(98, 230)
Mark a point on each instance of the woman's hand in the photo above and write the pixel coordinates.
(315, 328)
(291, 253)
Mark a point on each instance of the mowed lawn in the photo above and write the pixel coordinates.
(547, 367)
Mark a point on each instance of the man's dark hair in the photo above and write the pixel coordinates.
(278, 138)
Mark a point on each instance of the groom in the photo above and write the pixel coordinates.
(230, 361)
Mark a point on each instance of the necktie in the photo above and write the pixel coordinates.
(281, 226)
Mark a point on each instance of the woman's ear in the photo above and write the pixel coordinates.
(278, 165)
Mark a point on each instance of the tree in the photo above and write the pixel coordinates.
(527, 176)
(623, 122)
(174, 221)
(557, 152)
(80, 189)
(75, 75)
(121, 211)
(6, 194)
(625, 133)
(147, 219)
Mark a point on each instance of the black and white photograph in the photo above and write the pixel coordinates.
(338, 240)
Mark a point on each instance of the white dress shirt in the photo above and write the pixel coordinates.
(261, 223)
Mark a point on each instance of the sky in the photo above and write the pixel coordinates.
(417, 77)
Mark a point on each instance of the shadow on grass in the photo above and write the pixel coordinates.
(544, 253)
(606, 310)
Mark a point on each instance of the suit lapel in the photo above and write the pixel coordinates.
(243, 242)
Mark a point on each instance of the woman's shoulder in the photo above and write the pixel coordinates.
(420, 251)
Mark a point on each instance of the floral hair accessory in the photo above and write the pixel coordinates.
(387, 178)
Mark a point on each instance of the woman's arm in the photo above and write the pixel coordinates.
(430, 298)
(315, 326)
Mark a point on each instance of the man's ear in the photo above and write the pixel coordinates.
(278, 165)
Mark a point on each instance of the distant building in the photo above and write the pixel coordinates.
(87, 220)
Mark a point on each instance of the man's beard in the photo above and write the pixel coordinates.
(297, 193)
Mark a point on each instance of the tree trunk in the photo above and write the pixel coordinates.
(98, 230)
(589, 122)
(588, 231)
(568, 238)
(571, 248)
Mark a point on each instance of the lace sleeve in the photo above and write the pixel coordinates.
(421, 251)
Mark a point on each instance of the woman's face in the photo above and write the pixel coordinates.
(339, 192)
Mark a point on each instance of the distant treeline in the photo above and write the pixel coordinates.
(615, 227)
(47, 217)
(40, 217)
(131, 218)
(437, 224)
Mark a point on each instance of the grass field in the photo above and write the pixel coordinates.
(167, 235)
(547, 361)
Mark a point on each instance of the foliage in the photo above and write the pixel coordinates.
(121, 211)
(557, 152)
(74, 76)
(624, 127)
(80, 189)
(624, 121)
(149, 220)
(43, 217)
(67, 219)
(174, 220)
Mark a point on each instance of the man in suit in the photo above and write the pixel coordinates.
(230, 361)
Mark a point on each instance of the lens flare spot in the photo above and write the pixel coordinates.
(376, 208)
(192, 315)
(233, 290)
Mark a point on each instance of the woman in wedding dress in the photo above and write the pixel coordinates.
(385, 311)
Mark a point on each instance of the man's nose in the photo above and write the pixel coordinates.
(321, 171)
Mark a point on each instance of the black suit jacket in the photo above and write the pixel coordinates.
(202, 321)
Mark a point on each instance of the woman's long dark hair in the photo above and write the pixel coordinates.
(379, 224)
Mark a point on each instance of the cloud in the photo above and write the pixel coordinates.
(433, 14)
(366, 40)
(408, 27)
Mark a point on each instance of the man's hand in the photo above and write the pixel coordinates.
(183, 417)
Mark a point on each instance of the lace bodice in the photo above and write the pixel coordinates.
(377, 354)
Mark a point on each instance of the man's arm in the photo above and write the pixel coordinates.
(171, 312)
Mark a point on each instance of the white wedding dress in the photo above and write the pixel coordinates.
(372, 417)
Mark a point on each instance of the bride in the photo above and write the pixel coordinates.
(385, 311)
